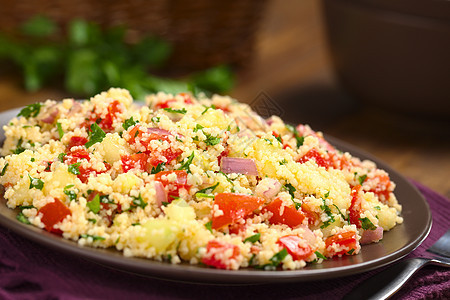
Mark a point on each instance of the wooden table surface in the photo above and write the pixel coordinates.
(291, 65)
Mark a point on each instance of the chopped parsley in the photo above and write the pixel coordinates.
(342, 215)
(4, 169)
(209, 189)
(283, 162)
(92, 220)
(165, 203)
(209, 226)
(178, 111)
(31, 110)
(211, 140)
(36, 183)
(290, 188)
(278, 137)
(361, 179)
(156, 119)
(253, 239)
(203, 195)
(366, 224)
(278, 257)
(61, 157)
(93, 237)
(351, 251)
(94, 204)
(298, 138)
(188, 162)
(198, 127)
(138, 201)
(74, 168)
(208, 107)
(96, 135)
(22, 218)
(128, 123)
(71, 194)
(158, 168)
(330, 215)
(19, 148)
(320, 255)
(377, 207)
(60, 130)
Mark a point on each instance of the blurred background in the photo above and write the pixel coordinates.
(372, 73)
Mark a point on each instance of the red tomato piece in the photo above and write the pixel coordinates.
(164, 104)
(137, 133)
(186, 98)
(216, 254)
(77, 141)
(174, 187)
(345, 241)
(76, 155)
(382, 188)
(289, 215)
(234, 207)
(137, 160)
(114, 108)
(53, 213)
(355, 206)
(297, 247)
(313, 154)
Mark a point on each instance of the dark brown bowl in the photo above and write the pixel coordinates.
(395, 54)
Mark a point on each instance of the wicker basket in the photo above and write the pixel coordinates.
(203, 32)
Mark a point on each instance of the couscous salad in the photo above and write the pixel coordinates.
(191, 179)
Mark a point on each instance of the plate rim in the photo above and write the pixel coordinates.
(194, 274)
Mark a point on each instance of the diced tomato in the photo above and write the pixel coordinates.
(288, 215)
(312, 216)
(355, 206)
(76, 141)
(106, 123)
(234, 207)
(155, 157)
(313, 154)
(382, 188)
(164, 104)
(53, 213)
(174, 187)
(186, 98)
(137, 160)
(137, 134)
(76, 155)
(216, 254)
(297, 247)
(344, 241)
(236, 228)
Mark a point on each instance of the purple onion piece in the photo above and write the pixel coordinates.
(246, 166)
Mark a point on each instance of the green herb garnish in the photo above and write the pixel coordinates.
(96, 135)
(128, 123)
(94, 237)
(74, 168)
(291, 189)
(351, 251)
(4, 169)
(36, 183)
(158, 168)
(22, 218)
(320, 255)
(31, 110)
(253, 239)
(60, 130)
(188, 162)
(361, 179)
(366, 224)
(330, 215)
(209, 226)
(138, 201)
(177, 111)
(298, 138)
(94, 204)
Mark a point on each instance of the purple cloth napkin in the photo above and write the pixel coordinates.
(31, 271)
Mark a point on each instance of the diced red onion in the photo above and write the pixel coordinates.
(308, 235)
(239, 165)
(76, 108)
(371, 236)
(54, 111)
(268, 188)
(162, 132)
(161, 195)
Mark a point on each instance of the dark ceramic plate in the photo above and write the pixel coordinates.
(396, 243)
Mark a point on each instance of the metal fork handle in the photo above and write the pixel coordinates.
(387, 282)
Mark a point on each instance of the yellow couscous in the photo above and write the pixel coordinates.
(185, 179)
